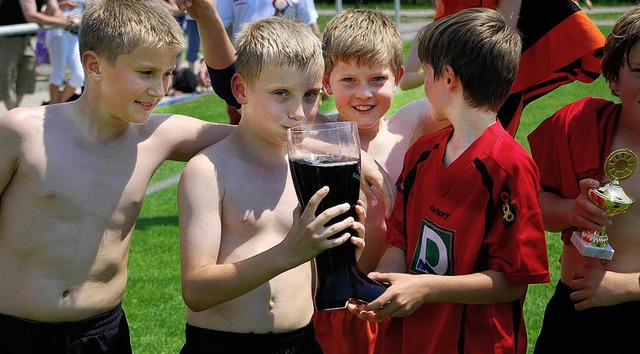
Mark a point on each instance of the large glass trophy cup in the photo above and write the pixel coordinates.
(610, 197)
(328, 154)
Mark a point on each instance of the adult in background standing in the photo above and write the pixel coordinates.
(18, 59)
(190, 28)
(64, 53)
(235, 14)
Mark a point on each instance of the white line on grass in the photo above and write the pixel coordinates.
(163, 184)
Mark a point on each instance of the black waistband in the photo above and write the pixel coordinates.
(100, 322)
(254, 338)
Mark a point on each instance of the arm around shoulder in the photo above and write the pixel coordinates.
(419, 112)
(413, 74)
(186, 136)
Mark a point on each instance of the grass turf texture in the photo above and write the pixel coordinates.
(153, 301)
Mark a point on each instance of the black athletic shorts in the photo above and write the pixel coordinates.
(200, 340)
(105, 333)
(599, 330)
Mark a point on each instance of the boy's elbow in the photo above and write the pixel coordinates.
(515, 292)
(192, 300)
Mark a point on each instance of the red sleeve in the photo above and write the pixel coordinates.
(572, 145)
(449, 7)
(517, 242)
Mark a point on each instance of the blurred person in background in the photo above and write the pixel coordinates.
(64, 53)
(18, 59)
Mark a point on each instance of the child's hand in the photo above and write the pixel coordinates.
(357, 308)
(308, 236)
(197, 9)
(68, 4)
(405, 294)
(373, 175)
(595, 287)
(585, 214)
(358, 240)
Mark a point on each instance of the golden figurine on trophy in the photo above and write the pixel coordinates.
(610, 197)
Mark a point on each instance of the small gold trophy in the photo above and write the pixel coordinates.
(619, 165)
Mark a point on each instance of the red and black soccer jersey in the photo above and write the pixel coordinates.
(572, 145)
(481, 212)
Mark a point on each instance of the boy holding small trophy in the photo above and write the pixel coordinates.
(586, 153)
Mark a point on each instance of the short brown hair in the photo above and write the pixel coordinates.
(624, 35)
(482, 49)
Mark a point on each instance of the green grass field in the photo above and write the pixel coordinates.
(153, 301)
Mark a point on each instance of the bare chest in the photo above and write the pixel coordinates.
(257, 212)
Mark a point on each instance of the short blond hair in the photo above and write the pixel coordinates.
(112, 28)
(367, 36)
(277, 42)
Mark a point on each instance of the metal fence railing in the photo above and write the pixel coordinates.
(22, 28)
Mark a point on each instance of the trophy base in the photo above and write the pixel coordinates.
(589, 250)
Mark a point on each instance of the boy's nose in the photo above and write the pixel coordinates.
(364, 91)
(159, 87)
(296, 112)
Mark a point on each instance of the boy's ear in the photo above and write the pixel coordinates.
(91, 63)
(449, 76)
(239, 88)
(326, 84)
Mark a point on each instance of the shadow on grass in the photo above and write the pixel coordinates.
(145, 223)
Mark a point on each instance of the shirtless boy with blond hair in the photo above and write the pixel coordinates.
(246, 270)
(363, 55)
(73, 177)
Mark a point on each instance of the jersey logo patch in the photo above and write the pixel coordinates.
(507, 210)
(434, 251)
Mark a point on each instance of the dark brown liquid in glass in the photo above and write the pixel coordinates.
(339, 278)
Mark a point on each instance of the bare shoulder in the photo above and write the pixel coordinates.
(214, 159)
(21, 120)
(415, 118)
(406, 122)
(208, 173)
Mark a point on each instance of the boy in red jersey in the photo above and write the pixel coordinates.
(570, 148)
(466, 232)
